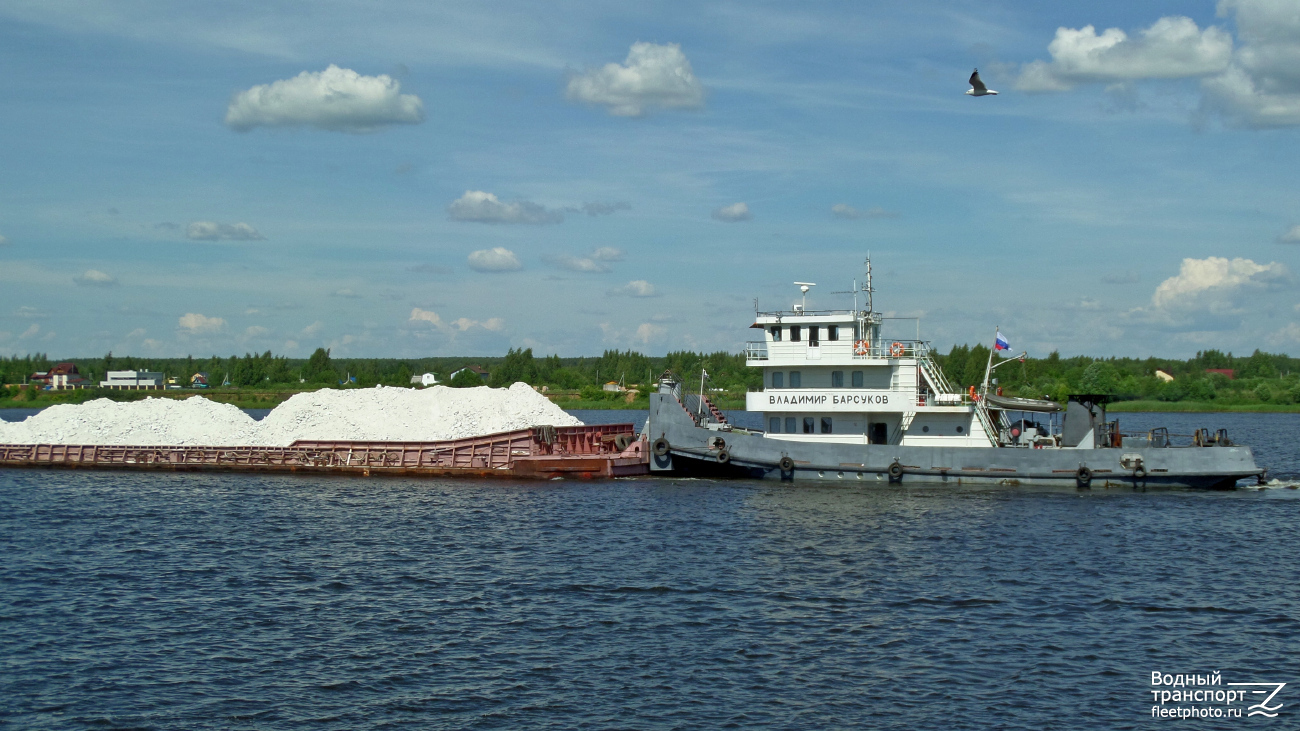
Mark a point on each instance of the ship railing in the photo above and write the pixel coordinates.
(756, 350)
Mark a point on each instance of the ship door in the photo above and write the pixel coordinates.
(878, 433)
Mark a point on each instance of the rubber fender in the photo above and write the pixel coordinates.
(622, 441)
(1083, 476)
(724, 456)
(895, 470)
(661, 447)
(786, 464)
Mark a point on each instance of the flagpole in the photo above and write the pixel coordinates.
(988, 368)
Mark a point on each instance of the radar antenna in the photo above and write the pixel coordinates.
(803, 288)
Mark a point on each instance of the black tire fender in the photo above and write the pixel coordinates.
(724, 456)
(1083, 476)
(786, 464)
(1140, 473)
(895, 470)
(661, 447)
(622, 441)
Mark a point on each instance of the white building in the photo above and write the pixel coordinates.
(132, 380)
(426, 379)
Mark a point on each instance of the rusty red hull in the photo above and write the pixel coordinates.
(591, 452)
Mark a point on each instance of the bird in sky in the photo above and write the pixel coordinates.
(977, 86)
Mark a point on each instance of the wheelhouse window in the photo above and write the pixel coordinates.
(796, 379)
(778, 379)
(808, 425)
(832, 332)
(794, 333)
(776, 333)
(774, 425)
(857, 379)
(789, 425)
(826, 425)
(837, 379)
(814, 335)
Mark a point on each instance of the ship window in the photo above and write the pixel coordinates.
(796, 379)
(808, 425)
(776, 334)
(774, 425)
(925, 428)
(794, 333)
(837, 379)
(959, 430)
(778, 379)
(857, 379)
(832, 332)
(789, 425)
(813, 334)
(826, 425)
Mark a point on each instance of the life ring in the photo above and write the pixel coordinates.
(861, 348)
(1083, 476)
(724, 456)
(786, 464)
(895, 470)
(661, 447)
(1139, 474)
(896, 350)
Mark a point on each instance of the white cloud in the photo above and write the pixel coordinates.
(213, 231)
(94, 278)
(732, 213)
(843, 210)
(635, 288)
(4, 241)
(496, 259)
(255, 331)
(1288, 334)
(195, 323)
(31, 331)
(607, 253)
(595, 262)
(1262, 88)
(419, 315)
(336, 99)
(1172, 48)
(137, 333)
(653, 76)
(483, 207)
(1292, 236)
(648, 332)
(345, 293)
(312, 329)
(1212, 283)
(494, 324)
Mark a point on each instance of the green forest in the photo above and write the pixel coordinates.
(1260, 380)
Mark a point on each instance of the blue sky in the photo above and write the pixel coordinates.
(409, 179)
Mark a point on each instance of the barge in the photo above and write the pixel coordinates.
(840, 402)
(541, 452)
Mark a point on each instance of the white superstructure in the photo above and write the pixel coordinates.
(828, 376)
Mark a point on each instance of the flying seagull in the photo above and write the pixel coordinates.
(977, 86)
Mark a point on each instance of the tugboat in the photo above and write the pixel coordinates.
(842, 403)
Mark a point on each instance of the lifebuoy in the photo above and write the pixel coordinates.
(895, 470)
(1083, 476)
(786, 464)
(1139, 474)
(661, 447)
(724, 456)
(861, 348)
(896, 349)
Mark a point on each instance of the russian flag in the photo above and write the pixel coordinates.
(1000, 343)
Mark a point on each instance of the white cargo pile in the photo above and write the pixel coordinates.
(371, 414)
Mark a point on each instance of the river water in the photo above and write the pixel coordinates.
(196, 601)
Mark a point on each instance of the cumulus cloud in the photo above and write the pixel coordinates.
(255, 331)
(652, 77)
(604, 209)
(843, 210)
(32, 331)
(648, 332)
(495, 324)
(312, 329)
(336, 99)
(496, 259)
(597, 261)
(1212, 283)
(194, 323)
(732, 213)
(94, 278)
(1292, 236)
(418, 315)
(1172, 48)
(1262, 87)
(635, 288)
(482, 207)
(213, 231)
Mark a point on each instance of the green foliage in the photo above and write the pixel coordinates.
(466, 379)
(1099, 378)
(319, 369)
(517, 366)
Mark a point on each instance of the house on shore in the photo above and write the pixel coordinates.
(61, 377)
(425, 379)
(133, 380)
(476, 370)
